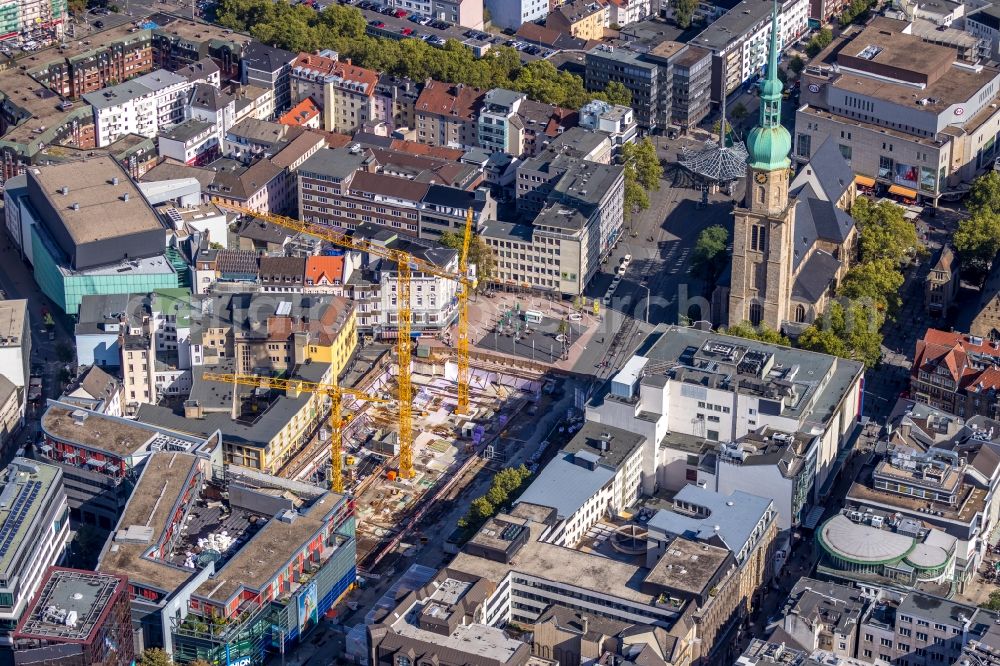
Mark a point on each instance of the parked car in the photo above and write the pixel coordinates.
(400, 13)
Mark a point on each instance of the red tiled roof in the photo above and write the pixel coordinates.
(319, 266)
(343, 69)
(958, 353)
(457, 101)
(301, 113)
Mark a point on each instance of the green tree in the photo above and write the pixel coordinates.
(849, 330)
(819, 41)
(481, 508)
(616, 93)
(993, 603)
(877, 280)
(636, 198)
(563, 327)
(977, 240)
(710, 255)
(684, 12)
(884, 232)
(762, 333)
(984, 197)
(480, 254)
(77, 7)
(641, 158)
(739, 111)
(155, 657)
(797, 65)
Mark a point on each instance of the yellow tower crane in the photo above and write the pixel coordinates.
(336, 394)
(406, 264)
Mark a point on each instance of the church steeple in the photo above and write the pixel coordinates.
(770, 143)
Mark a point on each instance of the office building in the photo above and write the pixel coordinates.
(923, 629)
(614, 120)
(101, 455)
(596, 475)
(937, 489)
(859, 93)
(578, 215)
(607, 63)
(675, 580)
(268, 67)
(783, 463)
(738, 40)
(76, 619)
(350, 187)
(289, 557)
(34, 520)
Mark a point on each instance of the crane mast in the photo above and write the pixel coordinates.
(336, 394)
(406, 263)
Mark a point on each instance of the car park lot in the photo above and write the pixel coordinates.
(384, 21)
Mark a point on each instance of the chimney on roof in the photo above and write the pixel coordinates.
(75, 206)
(64, 190)
(125, 197)
(114, 180)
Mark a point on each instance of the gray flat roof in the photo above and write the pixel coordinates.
(732, 518)
(12, 317)
(103, 212)
(734, 24)
(621, 443)
(566, 486)
(85, 593)
(675, 343)
(936, 609)
(565, 566)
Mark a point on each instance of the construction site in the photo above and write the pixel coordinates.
(417, 422)
(448, 446)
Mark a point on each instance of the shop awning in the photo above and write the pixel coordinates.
(864, 181)
(900, 191)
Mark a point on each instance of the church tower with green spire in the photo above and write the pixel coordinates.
(760, 287)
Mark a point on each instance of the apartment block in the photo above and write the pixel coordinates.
(954, 372)
(146, 105)
(348, 187)
(268, 67)
(343, 91)
(583, 19)
(446, 114)
(512, 14)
